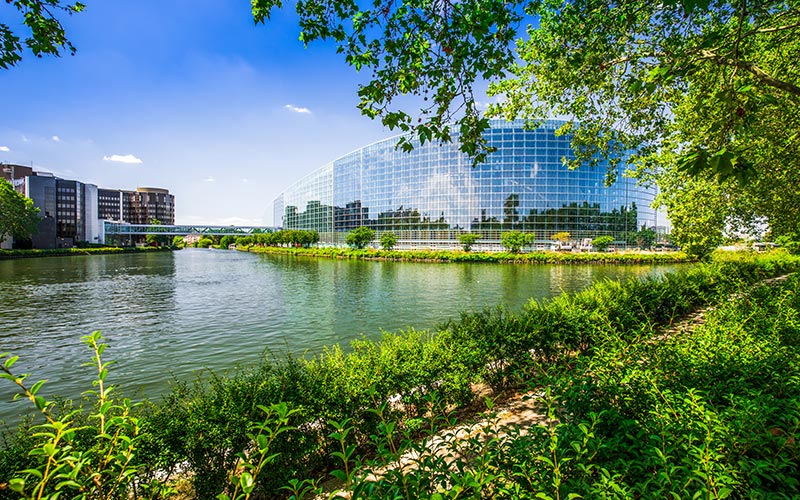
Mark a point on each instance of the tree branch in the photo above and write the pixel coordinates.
(762, 75)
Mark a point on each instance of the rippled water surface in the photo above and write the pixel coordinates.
(167, 315)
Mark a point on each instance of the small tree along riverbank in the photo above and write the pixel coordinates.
(629, 414)
(495, 257)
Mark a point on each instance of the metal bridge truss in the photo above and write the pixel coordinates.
(116, 228)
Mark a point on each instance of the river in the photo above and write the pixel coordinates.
(169, 316)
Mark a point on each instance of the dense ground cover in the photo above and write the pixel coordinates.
(460, 256)
(60, 252)
(712, 413)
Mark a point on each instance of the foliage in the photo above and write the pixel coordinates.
(434, 50)
(706, 88)
(601, 243)
(18, 217)
(563, 237)
(205, 241)
(790, 242)
(388, 241)
(645, 238)
(467, 240)
(360, 237)
(514, 240)
(254, 431)
(59, 252)
(697, 213)
(495, 257)
(86, 454)
(155, 239)
(226, 241)
(46, 36)
(178, 242)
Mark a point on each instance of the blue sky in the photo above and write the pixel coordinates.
(187, 95)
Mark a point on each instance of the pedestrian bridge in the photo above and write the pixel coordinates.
(122, 229)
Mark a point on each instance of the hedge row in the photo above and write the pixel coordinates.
(492, 257)
(61, 252)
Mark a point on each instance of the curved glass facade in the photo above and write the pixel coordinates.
(432, 194)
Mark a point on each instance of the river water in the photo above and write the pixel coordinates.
(170, 316)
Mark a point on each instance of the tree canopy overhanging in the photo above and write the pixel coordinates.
(45, 34)
(680, 90)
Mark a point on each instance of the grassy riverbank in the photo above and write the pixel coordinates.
(631, 414)
(493, 257)
(61, 252)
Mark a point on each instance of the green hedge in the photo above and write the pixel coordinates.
(493, 257)
(61, 252)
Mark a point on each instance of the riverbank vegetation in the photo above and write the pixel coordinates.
(629, 410)
(492, 257)
(61, 252)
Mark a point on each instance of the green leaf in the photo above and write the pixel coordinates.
(10, 362)
(17, 485)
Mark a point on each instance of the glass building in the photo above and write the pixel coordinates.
(431, 195)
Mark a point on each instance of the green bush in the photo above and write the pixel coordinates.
(388, 241)
(514, 240)
(601, 243)
(360, 237)
(467, 240)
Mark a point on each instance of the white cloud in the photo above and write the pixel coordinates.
(25, 139)
(122, 159)
(245, 181)
(208, 179)
(297, 109)
(5, 149)
(56, 138)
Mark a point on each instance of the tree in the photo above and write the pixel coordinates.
(704, 86)
(388, 241)
(514, 240)
(698, 213)
(601, 243)
(154, 239)
(46, 37)
(431, 49)
(467, 240)
(360, 237)
(645, 237)
(562, 237)
(18, 217)
(178, 241)
(635, 74)
(226, 241)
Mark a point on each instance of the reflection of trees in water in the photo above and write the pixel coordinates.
(566, 278)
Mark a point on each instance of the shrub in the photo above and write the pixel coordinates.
(467, 240)
(514, 240)
(388, 241)
(360, 237)
(601, 243)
